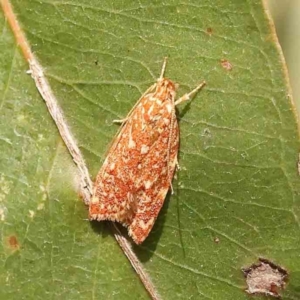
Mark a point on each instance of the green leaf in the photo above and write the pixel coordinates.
(236, 195)
(48, 249)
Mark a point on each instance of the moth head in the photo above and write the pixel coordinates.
(165, 89)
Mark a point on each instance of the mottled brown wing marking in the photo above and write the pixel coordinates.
(123, 128)
(112, 196)
(151, 197)
(114, 190)
(152, 186)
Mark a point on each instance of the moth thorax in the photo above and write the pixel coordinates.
(165, 89)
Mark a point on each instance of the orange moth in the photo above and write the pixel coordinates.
(136, 175)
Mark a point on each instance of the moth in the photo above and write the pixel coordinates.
(136, 175)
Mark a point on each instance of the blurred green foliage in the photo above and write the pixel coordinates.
(286, 16)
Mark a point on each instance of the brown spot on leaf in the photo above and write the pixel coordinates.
(13, 242)
(209, 30)
(226, 64)
(265, 278)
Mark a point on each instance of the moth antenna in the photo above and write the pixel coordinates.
(163, 69)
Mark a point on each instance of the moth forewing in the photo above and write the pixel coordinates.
(155, 183)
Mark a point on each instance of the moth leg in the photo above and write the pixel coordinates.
(178, 168)
(177, 164)
(120, 121)
(172, 190)
(187, 96)
(171, 185)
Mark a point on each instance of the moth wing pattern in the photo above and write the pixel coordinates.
(152, 187)
(112, 196)
(105, 203)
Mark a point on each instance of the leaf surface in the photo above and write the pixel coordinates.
(236, 196)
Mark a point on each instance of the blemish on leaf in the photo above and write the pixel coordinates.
(226, 64)
(206, 133)
(265, 278)
(216, 240)
(209, 30)
(13, 242)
